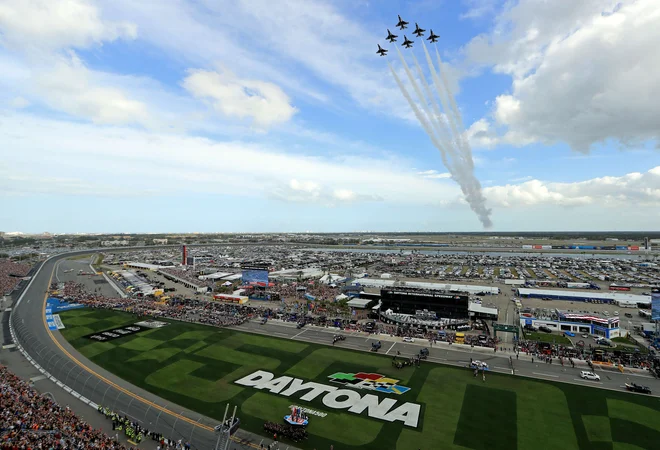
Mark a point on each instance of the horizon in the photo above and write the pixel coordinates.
(223, 117)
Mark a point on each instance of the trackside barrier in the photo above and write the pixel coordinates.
(94, 391)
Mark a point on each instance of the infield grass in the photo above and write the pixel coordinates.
(196, 366)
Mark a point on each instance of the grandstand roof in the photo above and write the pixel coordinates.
(481, 309)
(139, 265)
(214, 276)
(359, 303)
(595, 295)
(233, 277)
(473, 289)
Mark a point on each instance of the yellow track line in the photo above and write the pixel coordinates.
(116, 386)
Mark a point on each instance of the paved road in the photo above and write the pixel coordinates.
(92, 382)
(456, 355)
(52, 352)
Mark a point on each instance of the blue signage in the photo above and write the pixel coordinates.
(54, 306)
(655, 306)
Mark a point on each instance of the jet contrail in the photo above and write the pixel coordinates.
(440, 124)
(421, 119)
(443, 94)
(455, 153)
(457, 113)
(415, 86)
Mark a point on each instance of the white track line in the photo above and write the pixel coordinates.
(388, 350)
(545, 375)
(293, 337)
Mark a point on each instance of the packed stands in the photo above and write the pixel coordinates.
(10, 275)
(29, 420)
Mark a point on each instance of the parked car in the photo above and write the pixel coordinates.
(586, 375)
(628, 315)
(545, 329)
(569, 333)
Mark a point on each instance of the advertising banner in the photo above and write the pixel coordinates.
(655, 306)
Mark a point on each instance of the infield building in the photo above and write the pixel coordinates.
(404, 300)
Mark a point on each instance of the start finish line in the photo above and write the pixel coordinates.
(335, 398)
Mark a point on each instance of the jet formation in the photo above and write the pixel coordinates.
(444, 126)
(407, 43)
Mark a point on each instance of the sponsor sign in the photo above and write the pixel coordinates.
(58, 322)
(370, 381)
(386, 409)
(56, 305)
(655, 306)
(152, 324)
(116, 333)
(310, 412)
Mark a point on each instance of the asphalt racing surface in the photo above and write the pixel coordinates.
(456, 355)
(51, 351)
(92, 382)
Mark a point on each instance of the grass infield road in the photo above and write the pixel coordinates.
(195, 366)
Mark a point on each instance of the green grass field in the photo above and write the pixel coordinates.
(196, 366)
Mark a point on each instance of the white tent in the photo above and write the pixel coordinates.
(341, 297)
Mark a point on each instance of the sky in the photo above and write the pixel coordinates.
(260, 116)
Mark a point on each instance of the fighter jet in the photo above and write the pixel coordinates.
(391, 37)
(381, 51)
(407, 43)
(419, 32)
(402, 23)
(433, 37)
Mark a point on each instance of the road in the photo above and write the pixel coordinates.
(53, 353)
(92, 382)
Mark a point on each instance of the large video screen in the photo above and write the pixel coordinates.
(255, 276)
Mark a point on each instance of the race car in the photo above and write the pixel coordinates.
(408, 339)
(478, 365)
(632, 387)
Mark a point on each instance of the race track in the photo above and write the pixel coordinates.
(49, 350)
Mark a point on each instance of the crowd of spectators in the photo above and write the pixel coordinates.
(190, 310)
(291, 291)
(29, 420)
(10, 275)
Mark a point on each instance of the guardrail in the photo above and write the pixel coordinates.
(93, 389)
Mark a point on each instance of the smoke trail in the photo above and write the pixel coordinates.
(415, 86)
(464, 144)
(443, 93)
(441, 126)
(461, 167)
(421, 118)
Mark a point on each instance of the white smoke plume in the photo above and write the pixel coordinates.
(454, 150)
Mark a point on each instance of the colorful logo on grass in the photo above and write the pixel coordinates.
(370, 381)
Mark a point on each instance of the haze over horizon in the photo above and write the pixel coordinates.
(220, 116)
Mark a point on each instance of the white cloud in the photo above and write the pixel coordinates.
(70, 87)
(630, 190)
(583, 72)
(56, 24)
(478, 9)
(434, 174)
(19, 103)
(169, 163)
(261, 101)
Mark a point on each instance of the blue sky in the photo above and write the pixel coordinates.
(255, 116)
